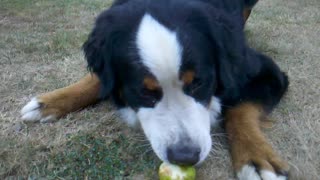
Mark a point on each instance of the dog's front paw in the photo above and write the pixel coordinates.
(37, 111)
(253, 172)
(261, 163)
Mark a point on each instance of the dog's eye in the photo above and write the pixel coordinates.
(150, 97)
(147, 92)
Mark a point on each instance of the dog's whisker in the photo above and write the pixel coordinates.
(219, 135)
(144, 145)
(213, 151)
(139, 140)
(147, 151)
(196, 88)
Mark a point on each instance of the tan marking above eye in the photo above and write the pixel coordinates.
(151, 83)
(187, 77)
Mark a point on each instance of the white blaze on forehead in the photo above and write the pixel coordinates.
(159, 49)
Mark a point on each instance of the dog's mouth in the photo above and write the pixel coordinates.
(179, 134)
(177, 143)
(180, 137)
(186, 153)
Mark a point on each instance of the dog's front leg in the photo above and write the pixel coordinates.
(253, 157)
(55, 104)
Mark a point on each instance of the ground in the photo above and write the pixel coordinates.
(41, 51)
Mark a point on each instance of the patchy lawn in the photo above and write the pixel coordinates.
(40, 51)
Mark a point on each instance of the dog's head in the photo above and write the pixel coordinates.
(164, 64)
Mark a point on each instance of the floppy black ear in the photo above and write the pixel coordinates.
(250, 3)
(236, 63)
(229, 46)
(98, 50)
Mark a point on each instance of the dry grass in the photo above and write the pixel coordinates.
(40, 51)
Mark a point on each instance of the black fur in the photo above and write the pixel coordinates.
(211, 33)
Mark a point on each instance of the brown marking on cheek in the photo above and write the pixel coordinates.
(248, 143)
(187, 77)
(151, 83)
(246, 14)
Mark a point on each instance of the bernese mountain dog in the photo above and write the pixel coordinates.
(174, 68)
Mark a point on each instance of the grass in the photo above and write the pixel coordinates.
(40, 51)
(104, 153)
(58, 31)
(92, 156)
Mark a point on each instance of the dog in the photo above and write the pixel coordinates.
(174, 68)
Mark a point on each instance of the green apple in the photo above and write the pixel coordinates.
(174, 172)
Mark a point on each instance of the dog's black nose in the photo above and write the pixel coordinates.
(183, 155)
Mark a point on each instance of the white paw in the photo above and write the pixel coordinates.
(249, 172)
(31, 112)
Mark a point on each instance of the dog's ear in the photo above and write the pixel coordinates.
(99, 52)
(249, 3)
(225, 31)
